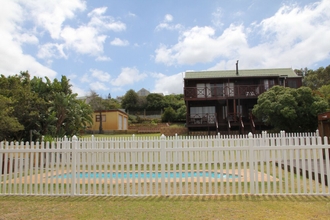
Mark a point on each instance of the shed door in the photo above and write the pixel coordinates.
(125, 123)
(120, 122)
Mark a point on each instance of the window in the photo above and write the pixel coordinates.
(292, 83)
(97, 118)
(268, 83)
(217, 90)
(229, 89)
(203, 90)
(205, 111)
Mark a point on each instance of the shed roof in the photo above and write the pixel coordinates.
(241, 73)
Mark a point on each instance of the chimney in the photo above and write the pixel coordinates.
(237, 68)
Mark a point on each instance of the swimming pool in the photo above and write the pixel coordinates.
(148, 175)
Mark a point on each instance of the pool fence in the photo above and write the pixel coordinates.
(261, 164)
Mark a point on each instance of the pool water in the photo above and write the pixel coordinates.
(148, 175)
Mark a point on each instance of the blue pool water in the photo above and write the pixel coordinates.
(148, 175)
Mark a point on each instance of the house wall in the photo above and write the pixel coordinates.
(112, 120)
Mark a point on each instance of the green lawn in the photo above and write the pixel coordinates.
(186, 207)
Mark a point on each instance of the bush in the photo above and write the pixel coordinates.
(169, 115)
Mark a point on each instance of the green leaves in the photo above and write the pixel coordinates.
(44, 107)
(290, 109)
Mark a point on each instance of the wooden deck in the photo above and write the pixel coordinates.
(315, 170)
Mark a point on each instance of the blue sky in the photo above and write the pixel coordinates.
(111, 46)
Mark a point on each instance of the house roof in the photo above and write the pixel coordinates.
(288, 72)
(113, 110)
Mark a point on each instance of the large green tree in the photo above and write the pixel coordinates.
(40, 107)
(9, 124)
(292, 110)
(24, 102)
(130, 100)
(316, 79)
(155, 101)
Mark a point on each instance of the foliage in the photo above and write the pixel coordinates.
(324, 92)
(40, 108)
(169, 115)
(290, 109)
(130, 100)
(181, 113)
(155, 101)
(8, 123)
(316, 79)
(24, 103)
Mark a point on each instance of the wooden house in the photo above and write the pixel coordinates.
(112, 120)
(222, 101)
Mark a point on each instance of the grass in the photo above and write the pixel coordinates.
(185, 207)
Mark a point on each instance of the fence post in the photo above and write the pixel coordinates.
(176, 154)
(74, 164)
(162, 162)
(251, 162)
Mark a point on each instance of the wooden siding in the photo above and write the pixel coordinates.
(111, 122)
(224, 92)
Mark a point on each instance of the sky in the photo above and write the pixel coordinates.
(112, 46)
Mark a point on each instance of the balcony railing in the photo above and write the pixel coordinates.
(202, 119)
(218, 92)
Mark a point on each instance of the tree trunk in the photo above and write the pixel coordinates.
(101, 128)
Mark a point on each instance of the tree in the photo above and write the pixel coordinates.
(130, 100)
(24, 102)
(293, 110)
(169, 115)
(155, 101)
(181, 113)
(324, 92)
(97, 104)
(8, 123)
(318, 78)
(45, 108)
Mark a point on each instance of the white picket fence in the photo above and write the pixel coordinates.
(209, 165)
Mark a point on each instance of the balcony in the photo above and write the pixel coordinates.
(223, 92)
(205, 119)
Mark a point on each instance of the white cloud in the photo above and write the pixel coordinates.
(12, 58)
(50, 15)
(100, 75)
(217, 17)
(27, 38)
(103, 58)
(102, 22)
(87, 38)
(168, 18)
(128, 76)
(97, 86)
(199, 45)
(293, 37)
(119, 42)
(85, 78)
(130, 14)
(84, 40)
(50, 50)
(168, 84)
